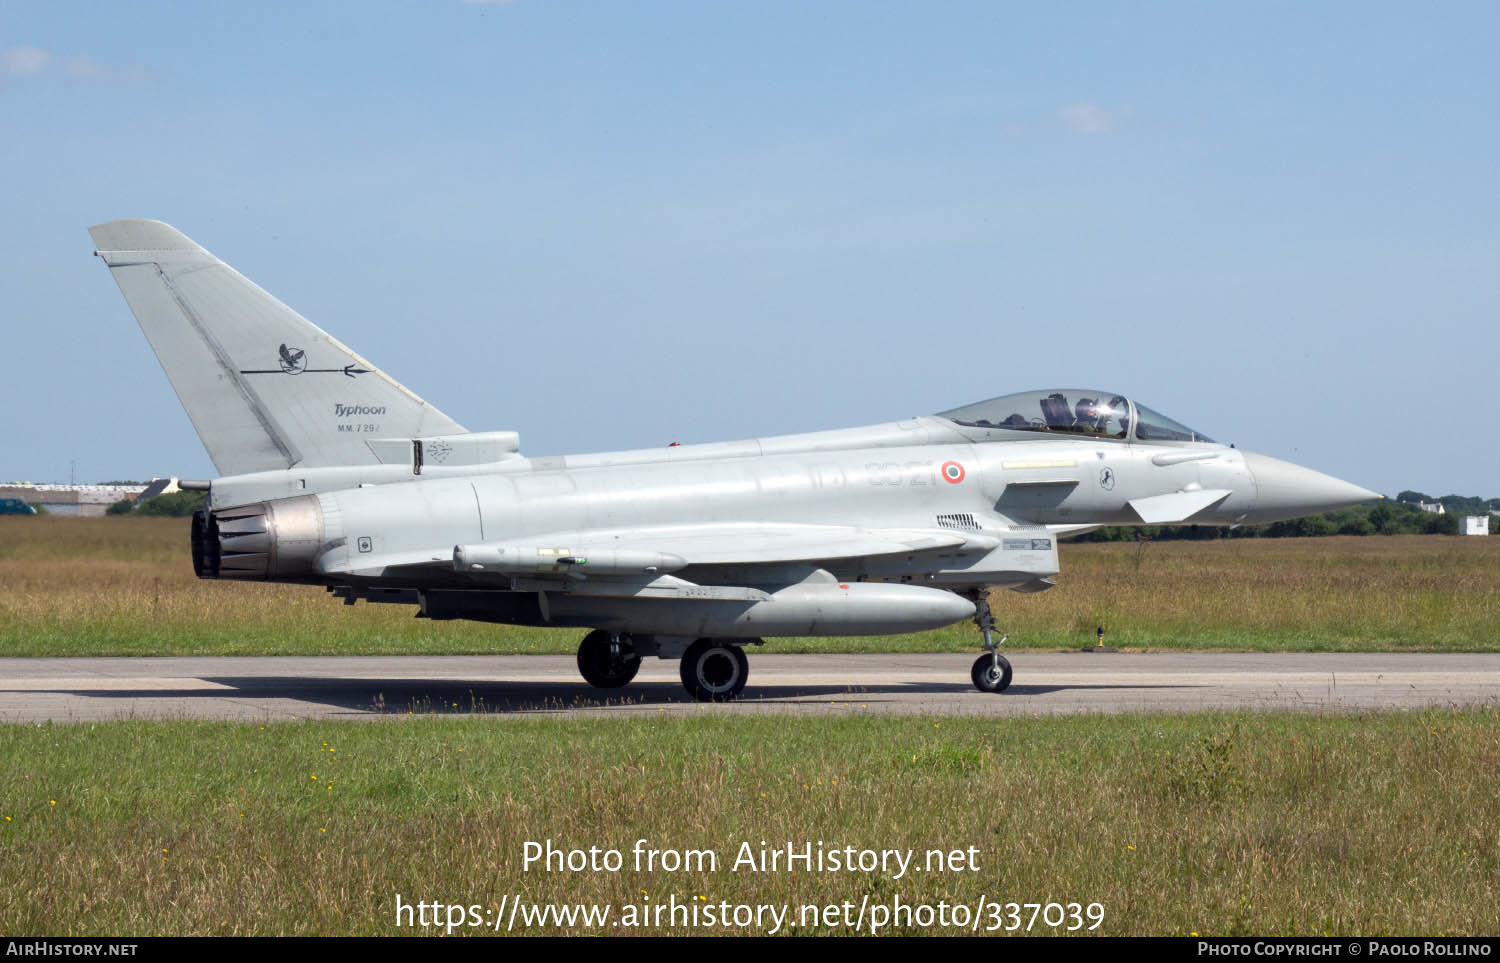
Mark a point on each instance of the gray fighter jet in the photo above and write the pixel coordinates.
(334, 474)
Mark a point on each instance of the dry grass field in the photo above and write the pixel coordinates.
(124, 586)
(1283, 824)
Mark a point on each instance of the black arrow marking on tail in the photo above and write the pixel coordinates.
(348, 369)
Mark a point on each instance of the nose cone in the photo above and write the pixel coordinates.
(1284, 490)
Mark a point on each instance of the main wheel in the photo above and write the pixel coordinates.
(601, 668)
(987, 676)
(714, 671)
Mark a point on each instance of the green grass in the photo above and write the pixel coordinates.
(124, 586)
(1210, 823)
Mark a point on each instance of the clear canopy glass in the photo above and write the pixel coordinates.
(1154, 426)
(1100, 414)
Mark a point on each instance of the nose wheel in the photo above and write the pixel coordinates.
(991, 672)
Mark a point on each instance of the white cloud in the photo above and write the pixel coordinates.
(84, 68)
(1090, 118)
(23, 60)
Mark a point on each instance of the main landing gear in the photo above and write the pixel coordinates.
(607, 659)
(712, 670)
(991, 672)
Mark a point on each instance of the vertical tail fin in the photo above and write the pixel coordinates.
(265, 388)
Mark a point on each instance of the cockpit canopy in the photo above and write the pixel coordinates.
(1096, 414)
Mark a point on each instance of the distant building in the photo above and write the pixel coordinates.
(80, 500)
(1435, 507)
(1474, 525)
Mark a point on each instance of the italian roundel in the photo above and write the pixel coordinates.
(953, 472)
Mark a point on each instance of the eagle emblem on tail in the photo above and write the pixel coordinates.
(293, 360)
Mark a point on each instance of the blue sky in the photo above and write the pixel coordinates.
(611, 225)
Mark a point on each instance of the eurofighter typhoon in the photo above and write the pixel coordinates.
(334, 474)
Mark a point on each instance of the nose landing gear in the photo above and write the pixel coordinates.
(991, 672)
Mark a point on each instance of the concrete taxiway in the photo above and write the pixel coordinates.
(381, 687)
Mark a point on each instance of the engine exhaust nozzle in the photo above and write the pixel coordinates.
(268, 541)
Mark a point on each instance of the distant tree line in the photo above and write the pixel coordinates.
(1453, 504)
(176, 503)
(1399, 517)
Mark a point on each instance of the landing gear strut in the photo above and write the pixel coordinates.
(607, 660)
(991, 672)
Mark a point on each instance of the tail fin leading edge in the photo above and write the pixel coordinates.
(265, 388)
